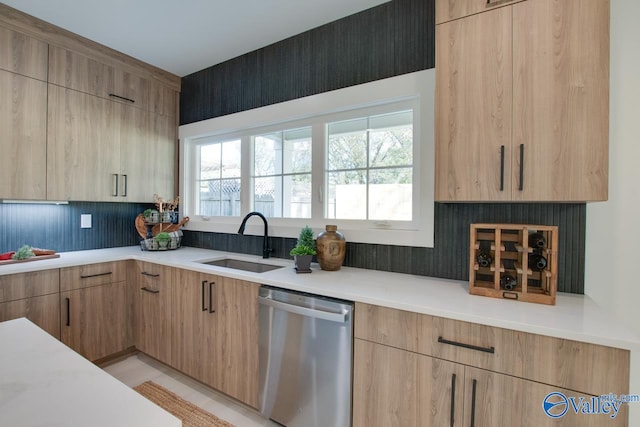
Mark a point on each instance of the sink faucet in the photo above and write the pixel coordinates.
(265, 244)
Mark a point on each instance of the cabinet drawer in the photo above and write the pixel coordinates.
(151, 276)
(85, 276)
(388, 326)
(584, 367)
(26, 285)
(486, 347)
(448, 10)
(22, 54)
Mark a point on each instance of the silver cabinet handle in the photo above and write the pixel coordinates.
(115, 185)
(304, 311)
(124, 185)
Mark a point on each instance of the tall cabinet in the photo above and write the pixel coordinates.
(522, 100)
(81, 122)
(23, 116)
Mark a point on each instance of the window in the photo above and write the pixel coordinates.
(370, 168)
(219, 179)
(359, 157)
(282, 173)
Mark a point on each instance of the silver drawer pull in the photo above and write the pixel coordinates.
(491, 350)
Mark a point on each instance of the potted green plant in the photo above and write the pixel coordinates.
(150, 216)
(304, 250)
(163, 239)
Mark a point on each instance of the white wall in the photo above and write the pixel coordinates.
(613, 227)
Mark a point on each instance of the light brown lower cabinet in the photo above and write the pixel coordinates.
(33, 295)
(43, 310)
(215, 335)
(395, 387)
(154, 314)
(95, 320)
(194, 326)
(236, 340)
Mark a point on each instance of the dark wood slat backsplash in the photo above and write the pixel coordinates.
(387, 40)
(450, 257)
(58, 227)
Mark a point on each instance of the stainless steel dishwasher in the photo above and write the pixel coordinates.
(306, 356)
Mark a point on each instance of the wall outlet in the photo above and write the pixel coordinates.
(85, 221)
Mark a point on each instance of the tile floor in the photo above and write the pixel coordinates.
(139, 368)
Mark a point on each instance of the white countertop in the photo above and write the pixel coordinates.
(45, 383)
(575, 317)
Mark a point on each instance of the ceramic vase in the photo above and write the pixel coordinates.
(332, 248)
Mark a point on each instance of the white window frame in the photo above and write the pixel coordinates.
(409, 91)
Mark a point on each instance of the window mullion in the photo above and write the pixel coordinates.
(318, 174)
(246, 171)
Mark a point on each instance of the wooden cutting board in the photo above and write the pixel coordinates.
(34, 258)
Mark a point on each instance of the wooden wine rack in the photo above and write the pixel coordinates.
(508, 246)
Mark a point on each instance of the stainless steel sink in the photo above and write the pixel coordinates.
(255, 267)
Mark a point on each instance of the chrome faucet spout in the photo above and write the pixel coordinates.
(265, 243)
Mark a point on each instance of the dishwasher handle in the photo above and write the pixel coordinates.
(304, 311)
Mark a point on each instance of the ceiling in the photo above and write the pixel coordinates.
(185, 36)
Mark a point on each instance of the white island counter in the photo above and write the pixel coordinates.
(45, 383)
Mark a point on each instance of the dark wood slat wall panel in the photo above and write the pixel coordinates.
(393, 38)
(449, 258)
(58, 227)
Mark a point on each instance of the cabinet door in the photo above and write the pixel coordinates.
(236, 339)
(23, 114)
(155, 314)
(83, 151)
(440, 392)
(533, 414)
(497, 400)
(494, 400)
(194, 324)
(44, 311)
(95, 321)
(384, 386)
(147, 147)
(473, 107)
(447, 10)
(75, 71)
(22, 54)
(561, 99)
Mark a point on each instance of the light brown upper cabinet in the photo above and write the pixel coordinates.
(22, 54)
(448, 10)
(23, 120)
(79, 72)
(100, 150)
(522, 103)
(83, 147)
(23, 115)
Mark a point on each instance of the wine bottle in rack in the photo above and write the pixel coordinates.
(537, 261)
(508, 282)
(483, 257)
(537, 241)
